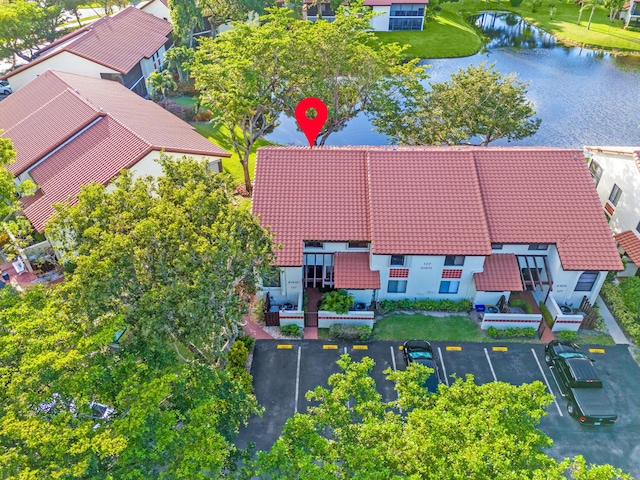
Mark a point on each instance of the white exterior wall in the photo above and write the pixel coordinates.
(622, 171)
(380, 23)
(64, 62)
(327, 318)
(158, 9)
(425, 275)
(148, 165)
(147, 63)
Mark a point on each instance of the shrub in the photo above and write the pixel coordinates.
(248, 341)
(245, 378)
(203, 116)
(291, 330)
(238, 354)
(340, 331)
(338, 301)
(630, 290)
(527, 332)
(184, 113)
(521, 304)
(546, 314)
(566, 335)
(629, 320)
(426, 305)
(515, 3)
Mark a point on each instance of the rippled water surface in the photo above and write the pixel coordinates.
(583, 97)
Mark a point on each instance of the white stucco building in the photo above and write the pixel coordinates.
(434, 222)
(616, 174)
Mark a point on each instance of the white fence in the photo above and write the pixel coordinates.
(502, 321)
(327, 318)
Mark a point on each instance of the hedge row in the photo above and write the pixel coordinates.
(339, 331)
(425, 304)
(527, 332)
(629, 320)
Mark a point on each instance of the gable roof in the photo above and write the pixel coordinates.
(433, 201)
(501, 273)
(70, 130)
(352, 270)
(118, 42)
(630, 243)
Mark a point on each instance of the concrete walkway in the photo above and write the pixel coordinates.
(613, 328)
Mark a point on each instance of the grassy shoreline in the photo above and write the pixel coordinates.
(450, 35)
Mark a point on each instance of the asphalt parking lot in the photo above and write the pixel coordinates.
(283, 371)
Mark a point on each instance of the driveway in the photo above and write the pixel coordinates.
(283, 371)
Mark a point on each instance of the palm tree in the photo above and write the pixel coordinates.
(161, 83)
(175, 59)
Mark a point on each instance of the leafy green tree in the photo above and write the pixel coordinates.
(219, 12)
(19, 34)
(347, 67)
(160, 84)
(173, 258)
(245, 76)
(178, 59)
(7, 185)
(186, 15)
(476, 103)
(464, 431)
(614, 7)
(166, 419)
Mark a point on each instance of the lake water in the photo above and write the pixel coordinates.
(583, 97)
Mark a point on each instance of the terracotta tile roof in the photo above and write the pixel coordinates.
(351, 271)
(546, 196)
(501, 273)
(630, 243)
(311, 194)
(433, 201)
(118, 42)
(81, 162)
(117, 127)
(67, 111)
(427, 204)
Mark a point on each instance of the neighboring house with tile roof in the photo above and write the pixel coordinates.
(126, 47)
(616, 174)
(434, 222)
(70, 130)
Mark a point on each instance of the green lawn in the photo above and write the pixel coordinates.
(592, 337)
(406, 327)
(184, 101)
(446, 36)
(220, 136)
(450, 35)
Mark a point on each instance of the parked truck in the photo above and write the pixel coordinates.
(580, 383)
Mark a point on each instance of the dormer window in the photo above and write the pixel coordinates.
(313, 244)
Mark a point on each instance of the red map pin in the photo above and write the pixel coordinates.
(311, 126)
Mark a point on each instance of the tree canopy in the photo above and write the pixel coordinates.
(171, 259)
(253, 73)
(475, 106)
(121, 371)
(464, 431)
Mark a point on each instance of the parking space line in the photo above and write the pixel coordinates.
(444, 369)
(393, 362)
(486, 352)
(547, 382)
(295, 410)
